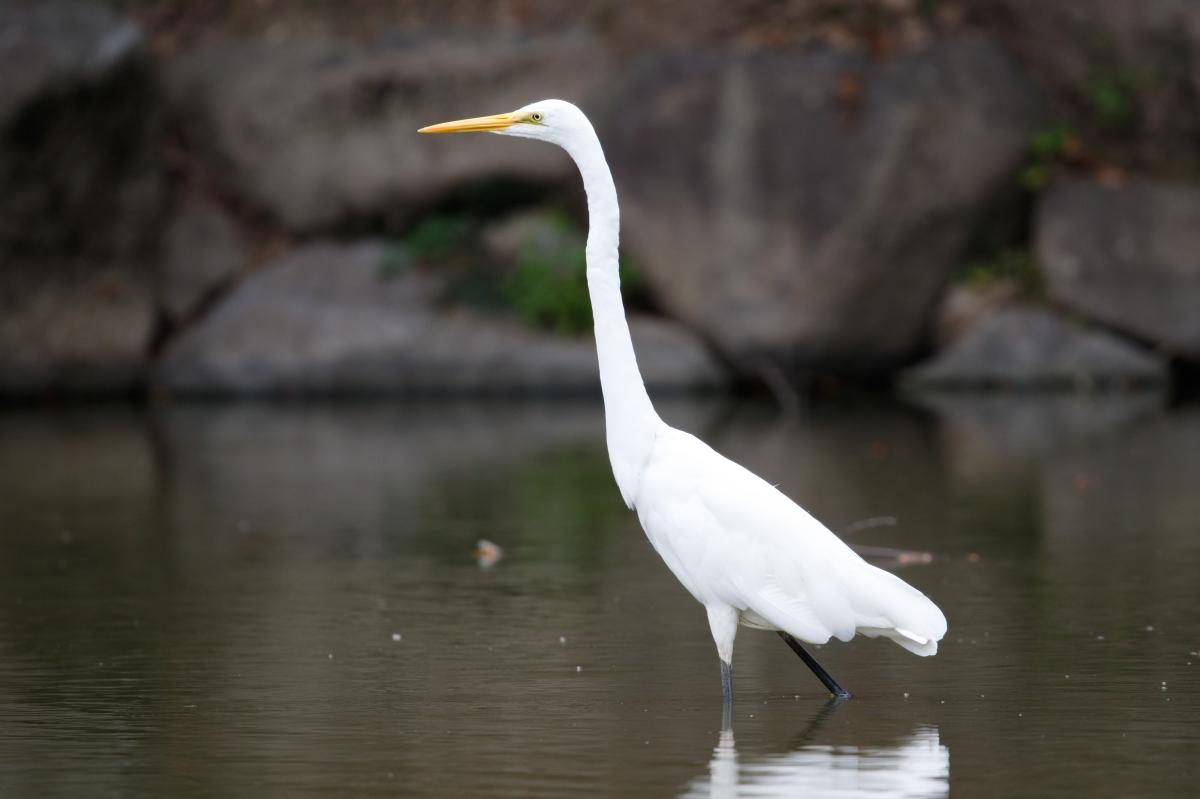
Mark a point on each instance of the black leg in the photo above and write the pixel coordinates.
(727, 681)
(825, 677)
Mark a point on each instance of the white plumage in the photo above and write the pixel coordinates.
(744, 550)
(741, 546)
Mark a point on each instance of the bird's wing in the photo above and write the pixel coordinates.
(732, 538)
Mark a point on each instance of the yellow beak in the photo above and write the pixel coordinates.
(494, 122)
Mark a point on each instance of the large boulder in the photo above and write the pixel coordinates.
(1023, 347)
(1128, 257)
(321, 133)
(79, 163)
(203, 251)
(808, 207)
(343, 319)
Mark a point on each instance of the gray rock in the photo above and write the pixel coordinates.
(543, 230)
(1022, 347)
(203, 251)
(1128, 257)
(79, 163)
(963, 306)
(809, 207)
(320, 133)
(329, 319)
(74, 329)
(1129, 65)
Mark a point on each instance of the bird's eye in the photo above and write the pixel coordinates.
(536, 116)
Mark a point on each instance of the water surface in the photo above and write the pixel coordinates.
(282, 600)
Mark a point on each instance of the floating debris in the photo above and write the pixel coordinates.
(396, 636)
(488, 554)
(562, 639)
(903, 557)
(579, 668)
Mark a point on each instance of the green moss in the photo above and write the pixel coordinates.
(550, 292)
(1110, 98)
(438, 236)
(1014, 264)
(548, 285)
(1050, 142)
(1047, 147)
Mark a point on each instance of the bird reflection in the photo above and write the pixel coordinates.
(917, 766)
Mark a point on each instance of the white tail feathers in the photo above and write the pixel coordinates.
(891, 608)
(918, 645)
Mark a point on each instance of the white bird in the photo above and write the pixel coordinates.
(746, 552)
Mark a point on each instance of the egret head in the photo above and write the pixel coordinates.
(555, 121)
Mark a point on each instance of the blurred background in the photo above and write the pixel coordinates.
(933, 265)
(210, 197)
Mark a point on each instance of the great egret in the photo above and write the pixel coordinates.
(745, 551)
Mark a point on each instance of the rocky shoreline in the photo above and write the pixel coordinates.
(253, 215)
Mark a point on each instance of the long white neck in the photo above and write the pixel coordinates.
(629, 417)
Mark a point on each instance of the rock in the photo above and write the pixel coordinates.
(1128, 66)
(329, 319)
(77, 329)
(964, 305)
(321, 134)
(1128, 257)
(544, 230)
(82, 177)
(809, 207)
(1023, 347)
(203, 251)
(671, 358)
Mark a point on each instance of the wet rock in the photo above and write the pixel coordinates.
(79, 163)
(809, 207)
(320, 133)
(334, 319)
(1126, 257)
(1023, 347)
(203, 250)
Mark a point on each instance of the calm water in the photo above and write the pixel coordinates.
(283, 600)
